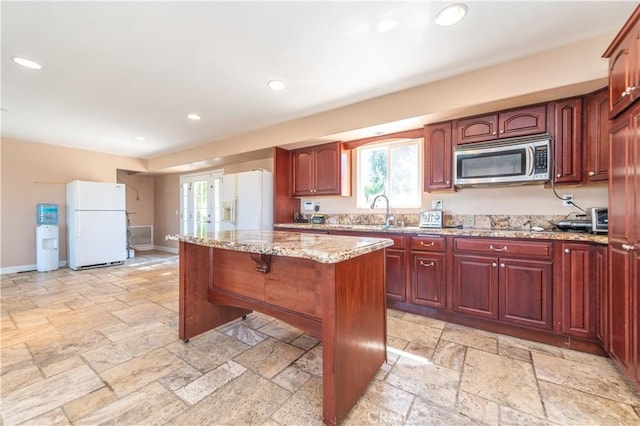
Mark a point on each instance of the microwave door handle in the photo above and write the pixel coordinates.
(531, 159)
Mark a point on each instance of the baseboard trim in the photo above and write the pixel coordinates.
(173, 250)
(26, 268)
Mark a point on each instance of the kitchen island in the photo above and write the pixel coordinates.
(331, 287)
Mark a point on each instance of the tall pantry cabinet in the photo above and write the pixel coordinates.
(624, 186)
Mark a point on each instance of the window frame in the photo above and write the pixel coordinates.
(361, 203)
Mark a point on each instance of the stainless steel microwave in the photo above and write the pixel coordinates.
(511, 161)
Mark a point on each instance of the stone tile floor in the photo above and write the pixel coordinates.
(100, 346)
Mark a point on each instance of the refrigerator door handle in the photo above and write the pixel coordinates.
(234, 208)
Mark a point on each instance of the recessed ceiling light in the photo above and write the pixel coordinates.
(140, 138)
(387, 25)
(275, 84)
(451, 14)
(193, 117)
(26, 63)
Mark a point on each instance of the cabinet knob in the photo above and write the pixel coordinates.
(427, 265)
(502, 131)
(628, 247)
(448, 182)
(494, 133)
(502, 265)
(559, 175)
(592, 173)
(567, 251)
(494, 264)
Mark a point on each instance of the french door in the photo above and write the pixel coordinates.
(200, 203)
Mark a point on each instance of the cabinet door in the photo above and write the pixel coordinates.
(621, 77)
(523, 122)
(427, 279)
(578, 290)
(475, 285)
(476, 129)
(568, 141)
(327, 169)
(620, 306)
(621, 196)
(395, 273)
(598, 136)
(602, 298)
(635, 280)
(438, 157)
(302, 172)
(525, 292)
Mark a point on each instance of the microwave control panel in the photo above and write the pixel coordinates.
(541, 168)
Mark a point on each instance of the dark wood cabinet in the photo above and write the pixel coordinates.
(438, 152)
(396, 276)
(508, 283)
(624, 66)
(577, 276)
(602, 298)
(623, 295)
(524, 121)
(567, 131)
(428, 266)
(475, 285)
(525, 292)
(624, 242)
(320, 170)
(597, 165)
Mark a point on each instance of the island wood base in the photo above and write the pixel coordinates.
(343, 304)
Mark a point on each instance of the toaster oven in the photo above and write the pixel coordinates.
(599, 219)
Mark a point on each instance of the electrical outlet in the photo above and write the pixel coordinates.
(567, 200)
(436, 204)
(317, 207)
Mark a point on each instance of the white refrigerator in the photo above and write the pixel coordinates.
(96, 224)
(246, 201)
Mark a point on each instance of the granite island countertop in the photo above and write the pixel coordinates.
(465, 232)
(319, 247)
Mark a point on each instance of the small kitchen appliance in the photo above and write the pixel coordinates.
(596, 221)
(431, 219)
(599, 217)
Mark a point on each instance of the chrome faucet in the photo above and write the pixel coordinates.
(387, 218)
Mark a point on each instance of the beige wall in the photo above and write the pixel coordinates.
(140, 197)
(35, 173)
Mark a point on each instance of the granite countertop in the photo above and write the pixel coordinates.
(468, 232)
(319, 247)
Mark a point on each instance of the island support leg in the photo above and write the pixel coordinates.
(354, 332)
(197, 313)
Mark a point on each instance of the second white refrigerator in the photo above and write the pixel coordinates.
(246, 201)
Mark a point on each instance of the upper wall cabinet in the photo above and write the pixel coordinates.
(567, 132)
(438, 157)
(320, 170)
(597, 166)
(525, 121)
(624, 67)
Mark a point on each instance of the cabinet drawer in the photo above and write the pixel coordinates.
(504, 247)
(431, 243)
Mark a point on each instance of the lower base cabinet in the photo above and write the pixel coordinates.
(475, 285)
(395, 273)
(555, 291)
(525, 292)
(428, 279)
(512, 290)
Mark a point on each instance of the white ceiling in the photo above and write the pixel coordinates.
(116, 70)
